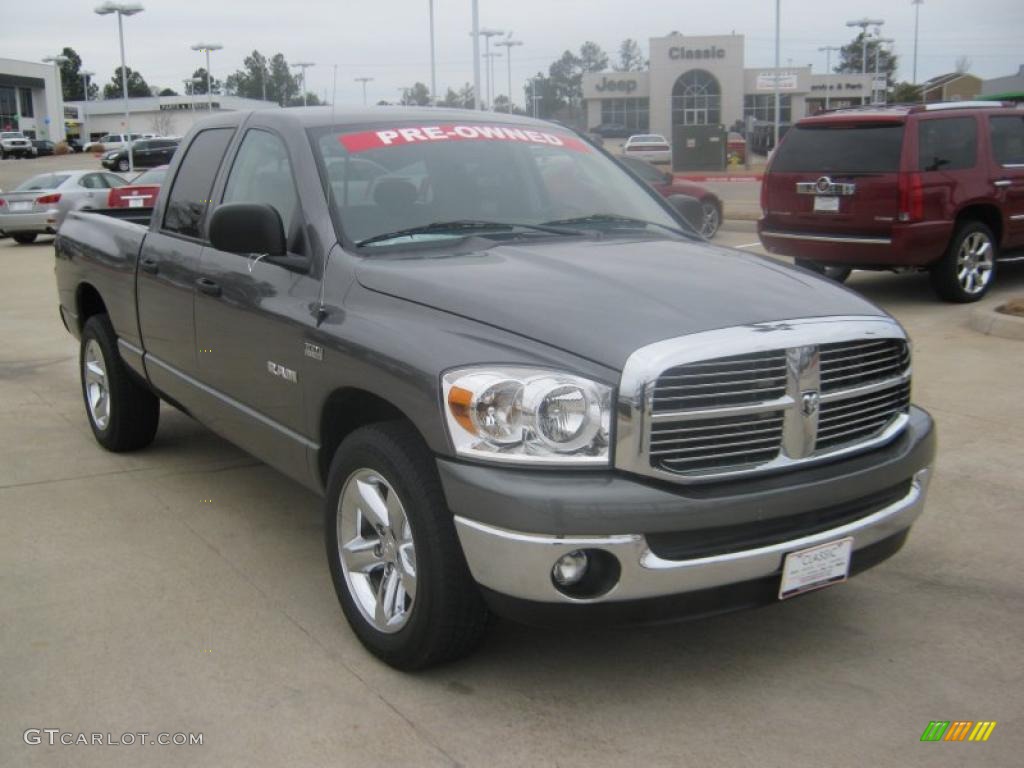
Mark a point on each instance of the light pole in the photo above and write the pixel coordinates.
(491, 56)
(917, 18)
(487, 34)
(304, 65)
(206, 48)
(864, 24)
(508, 45)
(476, 54)
(828, 67)
(57, 61)
(364, 81)
(433, 63)
(775, 81)
(122, 10)
(874, 83)
(85, 75)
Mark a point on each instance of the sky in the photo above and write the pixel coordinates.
(388, 40)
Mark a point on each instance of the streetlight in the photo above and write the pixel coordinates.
(917, 16)
(775, 87)
(433, 62)
(364, 81)
(122, 10)
(57, 61)
(864, 24)
(487, 34)
(476, 54)
(206, 48)
(508, 45)
(828, 67)
(85, 75)
(874, 83)
(304, 65)
(491, 56)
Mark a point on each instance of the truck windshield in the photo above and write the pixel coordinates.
(496, 177)
(840, 148)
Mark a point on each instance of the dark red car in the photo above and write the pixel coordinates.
(141, 193)
(668, 185)
(936, 187)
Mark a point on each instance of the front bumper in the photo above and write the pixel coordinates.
(513, 526)
(32, 221)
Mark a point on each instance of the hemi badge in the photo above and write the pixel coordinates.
(314, 351)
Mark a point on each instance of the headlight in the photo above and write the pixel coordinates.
(527, 415)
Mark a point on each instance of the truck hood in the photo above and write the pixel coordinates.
(604, 299)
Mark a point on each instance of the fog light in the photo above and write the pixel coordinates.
(570, 568)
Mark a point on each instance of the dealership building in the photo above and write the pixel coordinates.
(29, 99)
(703, 81)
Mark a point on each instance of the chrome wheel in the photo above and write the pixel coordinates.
(376, 550)
(97, 387)
(974, 263)
(711, 219)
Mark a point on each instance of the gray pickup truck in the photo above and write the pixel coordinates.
(519, 380)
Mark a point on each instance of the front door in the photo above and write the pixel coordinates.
(695, 117)
(1006, 136)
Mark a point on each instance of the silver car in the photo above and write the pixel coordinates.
(38, 206)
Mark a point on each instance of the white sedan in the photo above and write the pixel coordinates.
(648, 146)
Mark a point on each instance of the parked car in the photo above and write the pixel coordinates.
(37, 206)
(146, 153)
(648, 146)
(74, 144)
(935, 187)
(113, 141)
(667, 185)
(736, 148)
(15, 144)
(141, 193)
(43, 147)
(610, 131)
(559, 405)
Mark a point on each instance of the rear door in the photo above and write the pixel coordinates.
(947, 164)
(836, 177)
(169, 268)
(1006, 172)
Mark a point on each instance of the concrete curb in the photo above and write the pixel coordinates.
(987, 320)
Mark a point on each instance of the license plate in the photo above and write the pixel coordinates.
(21, 206)
(829, 204)
(135, 202)
(815, 567)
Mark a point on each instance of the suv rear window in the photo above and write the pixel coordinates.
(947, 144)
(840, 148)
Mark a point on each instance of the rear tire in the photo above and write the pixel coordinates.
(711, 218)
(25, 238)
(123, 414)
(967, 270)
(839, 274)
(435, 612)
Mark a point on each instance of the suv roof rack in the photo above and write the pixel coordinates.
(941, 105)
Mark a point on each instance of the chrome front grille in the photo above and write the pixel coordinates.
(743, 400)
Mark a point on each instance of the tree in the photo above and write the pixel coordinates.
(283, 86)
(545, 92)
(963, 65)
(593, 58)
(198, 85)
(631, 58)
(905, 93)
(168, 92)
(850, 58)
(162, 123)
(253, 81)
(418, 95)
(137, 86)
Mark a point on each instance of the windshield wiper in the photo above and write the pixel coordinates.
(613, 218)
(464, 225)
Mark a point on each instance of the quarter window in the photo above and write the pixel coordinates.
(190, 193)
(947, 144)
(262, 173)
(1007, 139)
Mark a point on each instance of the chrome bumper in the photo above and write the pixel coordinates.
(519, 564)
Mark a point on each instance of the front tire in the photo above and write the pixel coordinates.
(24, 238)
(395, 559)
(711, 218)
(968, 268)
(839, 274)
(123, 414)
(122, 166)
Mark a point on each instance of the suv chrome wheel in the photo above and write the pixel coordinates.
(375, 546)
(711, 220)
(974, 262)
(97, 390)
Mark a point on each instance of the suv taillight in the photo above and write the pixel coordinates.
(48, 199)
(911, 197)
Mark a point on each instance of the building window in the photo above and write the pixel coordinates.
(26, 102)
(761, 106)
(8, 109)
(696, 99)
(633, 114)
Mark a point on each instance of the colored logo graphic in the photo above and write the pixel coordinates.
(958, 730)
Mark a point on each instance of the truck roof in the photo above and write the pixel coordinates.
(315, 117)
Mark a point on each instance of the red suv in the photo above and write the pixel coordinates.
(931, 186)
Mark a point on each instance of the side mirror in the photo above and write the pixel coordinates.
(248, 228)
(689, 208)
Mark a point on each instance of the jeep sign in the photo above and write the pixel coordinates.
(626, 86)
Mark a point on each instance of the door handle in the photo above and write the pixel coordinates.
(149, 265)
(1003, 182)
(208, 286)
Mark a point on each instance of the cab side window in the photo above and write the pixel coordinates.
(262, 173)
(947, 144)
(189, 196)
(1007, 139)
